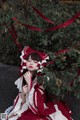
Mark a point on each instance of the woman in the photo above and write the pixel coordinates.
(31, 103)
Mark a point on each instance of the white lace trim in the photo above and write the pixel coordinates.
(18, 82)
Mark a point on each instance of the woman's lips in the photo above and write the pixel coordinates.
(30, 67)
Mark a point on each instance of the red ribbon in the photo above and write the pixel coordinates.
(61, 52)
(65, 24)
(28, 26)
(40, 103)
(41, 15)
(31, 27)
(14, 36)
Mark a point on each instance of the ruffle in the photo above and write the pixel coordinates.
(17, 106)
(18, 82)
(18, 109)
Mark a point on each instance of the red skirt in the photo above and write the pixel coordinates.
(29, 115)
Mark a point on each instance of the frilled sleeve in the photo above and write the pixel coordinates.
(18, 83)
(19, 107)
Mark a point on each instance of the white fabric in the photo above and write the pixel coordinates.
(14, 118)
(8, 110)
(19, 109)
(18, 82)
(17, 112)
(31, 93)
(17, 106)
(57, 115)
(31, 98)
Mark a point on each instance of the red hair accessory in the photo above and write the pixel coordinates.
(28, 50)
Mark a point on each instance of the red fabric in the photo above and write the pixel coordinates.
(61, 52)
(42, 113)
(32, 27)
(28, 50)
(28, 26)
(46, 112)
(65, 24)
(33, 109)
(13, 33)
(42, 16)
(29, 115)
(40, 103)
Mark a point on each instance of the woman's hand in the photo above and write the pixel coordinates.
(28, 76)
(25, 89)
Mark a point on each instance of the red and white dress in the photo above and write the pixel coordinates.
(36, 107)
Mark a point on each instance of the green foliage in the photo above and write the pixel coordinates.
(62, 74)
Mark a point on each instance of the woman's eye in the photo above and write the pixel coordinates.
(35, 61)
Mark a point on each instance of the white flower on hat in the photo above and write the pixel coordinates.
(39, 70)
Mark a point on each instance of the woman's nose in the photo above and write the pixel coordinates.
(31, 62)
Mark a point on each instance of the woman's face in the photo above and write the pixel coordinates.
(31, 64)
